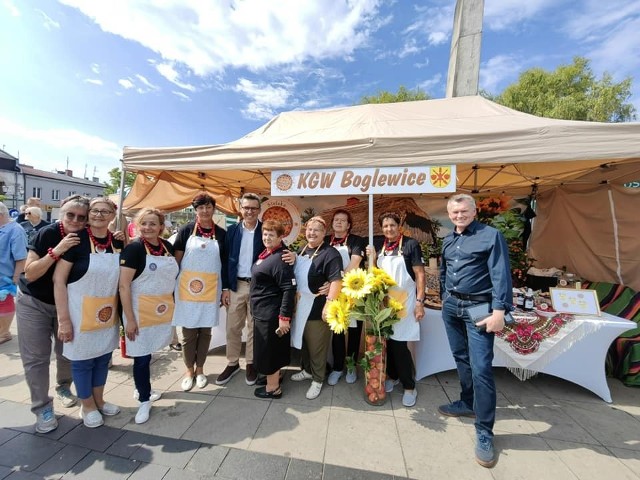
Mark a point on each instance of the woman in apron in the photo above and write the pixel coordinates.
(85, 285)
(199, 252)
(273, 293)
(36, 312)
(316, 264)
(352, 251)
(148, 274)
(401, 258)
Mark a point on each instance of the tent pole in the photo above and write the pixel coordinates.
(370, 229)
(121, 203)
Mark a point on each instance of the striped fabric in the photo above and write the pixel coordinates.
(623, 358)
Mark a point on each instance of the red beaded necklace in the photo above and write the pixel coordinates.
(388, 248)
(156, 251)
(338, 241)
(62, 232)
(204, 234)
(101, 247)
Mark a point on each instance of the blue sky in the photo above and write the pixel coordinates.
(83, 78)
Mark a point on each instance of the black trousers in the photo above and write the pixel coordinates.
(400, 364)
(352, 346)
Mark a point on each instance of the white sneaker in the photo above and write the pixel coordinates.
(152, 398)
(201, 380)
(109, 409)
(46, 420)
(409, 397)
(187, 383)
(389, 384)
(352, 375)
(92, 419)
(334, 377)
(143, 412)
(314, 390)
(301, 375)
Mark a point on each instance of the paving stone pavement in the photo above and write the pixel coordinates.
(546, 428)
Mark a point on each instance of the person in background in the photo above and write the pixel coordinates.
(33, 223)
(475, 269)
(317, 264)
(401, 258)
(36, 312)
(148, 272)
(85, 286)
(273, 292)
(199, 250)
(12, 261)
(352, 251)
(31, 202)
(243, 243)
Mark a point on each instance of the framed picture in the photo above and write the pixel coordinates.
(573, 300)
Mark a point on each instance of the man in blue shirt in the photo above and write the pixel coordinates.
(13, 255)
(475, 269)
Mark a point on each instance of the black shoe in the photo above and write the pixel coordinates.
(251, 375)
(262, 393)
(177, 347)
(227, 373)
(262, 380)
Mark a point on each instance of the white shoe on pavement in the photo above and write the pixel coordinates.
(301, 375)
(143, 412)
(314, 390)
(334, 377)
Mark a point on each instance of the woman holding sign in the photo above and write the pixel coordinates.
(199, 249)
(148, 272)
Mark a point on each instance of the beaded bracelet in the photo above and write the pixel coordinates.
(284, 319)
(53, 255)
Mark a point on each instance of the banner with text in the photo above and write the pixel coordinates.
(358, 181)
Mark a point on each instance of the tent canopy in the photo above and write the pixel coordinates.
(496, 149)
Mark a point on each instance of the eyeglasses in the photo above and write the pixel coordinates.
(26, 214)
(251, 209)
(102, 213)
(75, 217)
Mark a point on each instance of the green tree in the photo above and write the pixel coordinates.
(113, 185)
(403, 95)
(571, 92)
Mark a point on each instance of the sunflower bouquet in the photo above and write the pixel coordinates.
(365, 297)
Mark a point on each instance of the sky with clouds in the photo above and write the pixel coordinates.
(83, 78)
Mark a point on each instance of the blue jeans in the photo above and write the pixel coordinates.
(89, 374)
(142, 376)
(473, 352)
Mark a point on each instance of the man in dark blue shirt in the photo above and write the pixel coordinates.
(475, 269)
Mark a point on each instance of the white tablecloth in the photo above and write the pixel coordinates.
(579, 356)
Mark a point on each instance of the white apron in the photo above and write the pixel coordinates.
(152, 299)
(343, 250)
(93, 308)
(198, 289)
(407, 329)
(304, 302)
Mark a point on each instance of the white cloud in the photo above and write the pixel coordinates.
(168, 71)
(139, 82)
(430, 84)
(508, 14)
(410, 47)
(48, 22)
(126, 83)
(610, 32)
(498, 70)
(52, 143)
(95, 68)
(94, 81)
(264, 100)
(208, 36)
(13, 10)
(181, 96)
(432, 23)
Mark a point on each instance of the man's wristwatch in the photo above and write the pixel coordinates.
(420, 300)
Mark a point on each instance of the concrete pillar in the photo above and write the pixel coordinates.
(464, 59)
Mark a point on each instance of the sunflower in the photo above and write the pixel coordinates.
(395, 305)
(356, 283)
(337, 314)
(399, 297)
(382, 278)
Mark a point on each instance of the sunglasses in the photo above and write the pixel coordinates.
(73, 217)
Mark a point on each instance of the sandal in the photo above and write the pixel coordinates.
(263, 393)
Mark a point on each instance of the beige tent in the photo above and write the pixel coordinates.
(496, 150)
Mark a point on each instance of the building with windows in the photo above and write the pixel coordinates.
(51, 187)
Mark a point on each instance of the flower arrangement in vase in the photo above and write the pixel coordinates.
(367, 296)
